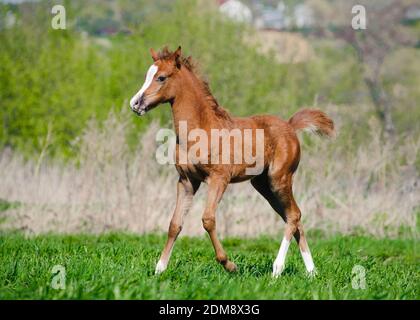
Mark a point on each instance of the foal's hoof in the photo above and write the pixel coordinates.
(311, 274)
(160, 267)
(277, 269)
(230, 266)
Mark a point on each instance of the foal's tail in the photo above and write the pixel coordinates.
(313, 120)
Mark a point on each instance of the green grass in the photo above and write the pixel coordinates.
(121, 266)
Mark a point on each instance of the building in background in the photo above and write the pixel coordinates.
(272, 19)
(235, 10)
(303, 16)
(412, 14)
(268, 17)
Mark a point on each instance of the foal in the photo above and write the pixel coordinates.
(172, 78)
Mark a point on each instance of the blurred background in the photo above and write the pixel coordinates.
(73, 158)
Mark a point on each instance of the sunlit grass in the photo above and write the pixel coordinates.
(120, 266)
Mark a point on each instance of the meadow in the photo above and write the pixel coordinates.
(121, 266)
(80, 186)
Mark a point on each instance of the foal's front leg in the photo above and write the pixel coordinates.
(185, 192)
(217, 187)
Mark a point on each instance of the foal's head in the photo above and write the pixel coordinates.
(161, 83)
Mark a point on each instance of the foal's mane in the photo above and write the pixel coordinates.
(191, 65)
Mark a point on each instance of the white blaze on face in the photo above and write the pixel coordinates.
(149, 78)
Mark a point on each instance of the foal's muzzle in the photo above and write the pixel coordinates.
(138, 106)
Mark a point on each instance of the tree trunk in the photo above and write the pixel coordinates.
(382, 106)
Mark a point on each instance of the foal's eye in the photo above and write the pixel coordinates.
(161, 78)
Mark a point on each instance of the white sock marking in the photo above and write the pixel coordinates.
(149, 78)
(160, 267)
(309, 263)
(279, 263)
(162, 264)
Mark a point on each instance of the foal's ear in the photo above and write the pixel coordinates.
(155, 56)
(177, 57)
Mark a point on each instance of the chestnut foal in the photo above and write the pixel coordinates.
(172, 78)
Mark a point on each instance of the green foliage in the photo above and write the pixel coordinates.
(6, 205)
(59, 79)
(54, 81)
(118, 266)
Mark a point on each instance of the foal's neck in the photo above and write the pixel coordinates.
(195, 104)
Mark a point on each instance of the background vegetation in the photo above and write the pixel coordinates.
(62, 91)
(74, 159)
(56, 80)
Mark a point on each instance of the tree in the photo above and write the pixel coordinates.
(384, 33)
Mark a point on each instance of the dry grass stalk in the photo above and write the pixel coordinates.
(376, 189)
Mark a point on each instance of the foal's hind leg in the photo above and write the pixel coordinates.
(185, 192)
(304, 250)
(294, 228)
(278, 192)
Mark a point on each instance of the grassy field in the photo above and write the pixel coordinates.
(121, 266)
